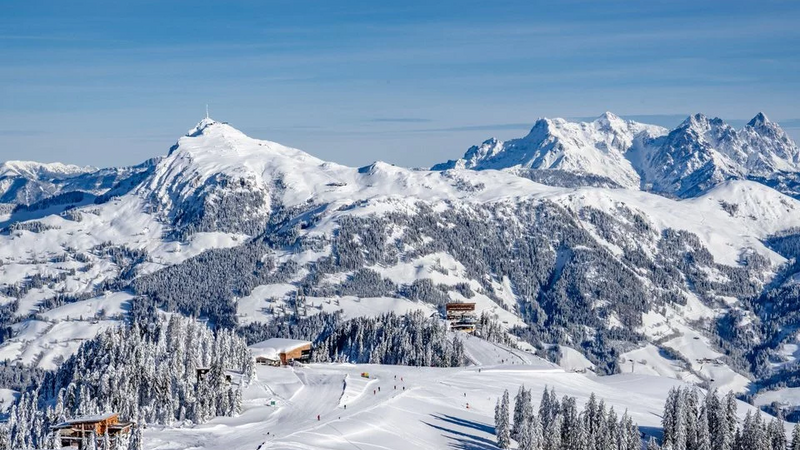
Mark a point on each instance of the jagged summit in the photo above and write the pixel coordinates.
(759, 120)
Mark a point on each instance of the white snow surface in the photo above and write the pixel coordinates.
(415, 408)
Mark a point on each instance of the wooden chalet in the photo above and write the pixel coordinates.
(280, 352)
(461, 316)
(74, 433)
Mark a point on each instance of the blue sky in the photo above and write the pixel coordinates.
(411, 83)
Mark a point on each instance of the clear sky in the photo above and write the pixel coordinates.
(412, 83)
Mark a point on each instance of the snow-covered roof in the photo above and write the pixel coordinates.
(272, 348)
(86, 419)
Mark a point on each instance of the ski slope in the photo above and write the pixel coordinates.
(332, 406)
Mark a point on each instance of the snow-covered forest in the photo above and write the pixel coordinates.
(691, 420)
(560, 425)
(146, 374)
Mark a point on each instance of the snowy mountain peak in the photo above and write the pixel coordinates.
(201, 126)
(759, 120)
(610, 120)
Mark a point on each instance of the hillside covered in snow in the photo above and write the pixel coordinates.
(609, 247)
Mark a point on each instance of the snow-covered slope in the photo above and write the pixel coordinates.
(416, 408)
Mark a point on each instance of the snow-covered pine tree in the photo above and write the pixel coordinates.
(590, 420)
(552, 434)
(729, 406)
(668, 420)
(690, 403)
(536, 433)
(776, 434)
(601, 439)
(135, 442)
(548, 407)
(106, 439)
(91, 442)
(524, 436)
(629, 434)
(652, 444)
(703, 439)
(571, 426)
(519, 420)
(611, 438)
(795, 437)
(5, 438)
(502, 425)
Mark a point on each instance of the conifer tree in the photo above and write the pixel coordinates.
(730, 422)
(552, 434)
(570, 427)
(703, 439)
(630, 438)
(536, 433)
(524, 436)
(502, 426)
(795, 437)
(776, 434)
(519, 419)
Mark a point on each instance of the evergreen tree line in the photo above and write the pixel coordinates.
(312, 328)
(147, 375)
(710, 423)
(411, 340)
(559, 425)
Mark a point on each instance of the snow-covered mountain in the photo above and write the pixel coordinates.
(702, 153)
(30, 186)
(597, 147)
(685, 162)
(242, 231)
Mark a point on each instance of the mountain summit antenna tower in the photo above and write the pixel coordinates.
(207, 111)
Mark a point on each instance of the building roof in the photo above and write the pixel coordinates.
(272, 348)
(86, 419)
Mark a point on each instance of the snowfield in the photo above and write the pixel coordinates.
(401, 407)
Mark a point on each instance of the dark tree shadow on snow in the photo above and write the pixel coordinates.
(480, 426)
(461, 440)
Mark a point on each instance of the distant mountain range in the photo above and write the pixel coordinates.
(691, 159)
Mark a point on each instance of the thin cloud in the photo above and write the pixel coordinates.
(490, 127)
(22, 133)
(400, 120)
